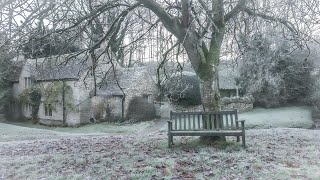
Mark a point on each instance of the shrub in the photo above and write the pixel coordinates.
(140, 110)
(272, 73)
(112, 116)
(314, 97)
(184, 89)
(98, 111)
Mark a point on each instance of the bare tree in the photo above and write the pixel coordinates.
(201, 26)
(205, 28)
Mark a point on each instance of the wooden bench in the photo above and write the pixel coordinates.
(221, 123)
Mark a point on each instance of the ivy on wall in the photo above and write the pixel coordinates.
(52, 95)
(33, 96)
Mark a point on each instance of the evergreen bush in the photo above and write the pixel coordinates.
(184, 89)
(140, 110)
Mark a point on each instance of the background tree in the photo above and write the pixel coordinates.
(6, 71)
(206, 29)
(274, 72)
(51, 45)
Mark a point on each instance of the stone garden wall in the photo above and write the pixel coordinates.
(242, 104)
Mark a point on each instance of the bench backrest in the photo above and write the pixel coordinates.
(186, 121)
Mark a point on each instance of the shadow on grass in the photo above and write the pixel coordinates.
(196, 143)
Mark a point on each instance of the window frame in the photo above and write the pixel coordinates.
(28, 82)
(48, 110)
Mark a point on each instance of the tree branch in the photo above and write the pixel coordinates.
(286, 23)
(171, 24)
(185, 13)
(235, 11)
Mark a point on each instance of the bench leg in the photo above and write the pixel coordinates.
(243, 135)
(238, 138)
(243, 141)
(170, 139)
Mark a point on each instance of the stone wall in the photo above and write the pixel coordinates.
(241, 107)
(242, 104)
(51, 122)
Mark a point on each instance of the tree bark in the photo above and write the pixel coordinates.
(205, 63)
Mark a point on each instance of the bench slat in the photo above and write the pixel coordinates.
(207, 133)
(194, 122)
(227, 122)
(231, 118)
(199, 122)
(175, 123)
(184, 122)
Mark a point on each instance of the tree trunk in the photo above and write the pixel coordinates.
(205, 62)
(210, 95)
(63, 103)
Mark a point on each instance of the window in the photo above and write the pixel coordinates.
(48, 110)
(27, 82)
(27, 107)
(13, 106)
(147, 97)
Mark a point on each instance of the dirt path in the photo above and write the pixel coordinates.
(158, 124)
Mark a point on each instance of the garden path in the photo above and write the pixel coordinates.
(158, 124)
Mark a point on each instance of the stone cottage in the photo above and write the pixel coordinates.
(75, 79)
(227, 80)
(44, 73)
(232, 97)
(63, 82)
(118, 89)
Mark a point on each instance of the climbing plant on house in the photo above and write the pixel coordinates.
(59, 93)
(55, 93)
(33, 96)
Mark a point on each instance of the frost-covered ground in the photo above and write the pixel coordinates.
(30, 131)
(271, 154)
(284, 117)
(52, 153)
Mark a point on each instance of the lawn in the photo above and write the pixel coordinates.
(10, 132)
(91, 152)
(29, 131)
(284, 117)
(271, 154)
